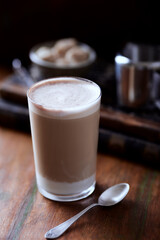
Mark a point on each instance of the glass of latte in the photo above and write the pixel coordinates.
(64, 118)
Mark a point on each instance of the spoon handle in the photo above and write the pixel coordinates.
(60, 229)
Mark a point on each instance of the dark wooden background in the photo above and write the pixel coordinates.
(105, 25)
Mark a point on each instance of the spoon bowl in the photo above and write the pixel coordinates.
(113, 195)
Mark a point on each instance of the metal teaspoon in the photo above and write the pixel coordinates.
(109, 197)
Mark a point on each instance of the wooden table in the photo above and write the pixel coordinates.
(25, 214)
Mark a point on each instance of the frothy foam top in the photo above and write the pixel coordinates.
(62, 94)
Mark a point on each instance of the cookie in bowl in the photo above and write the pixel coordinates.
(65, 57)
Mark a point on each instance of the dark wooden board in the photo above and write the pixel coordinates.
(130, 124)
(13, 90)
(113, 119)
(121, 133)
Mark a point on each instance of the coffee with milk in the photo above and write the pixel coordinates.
(64, 117)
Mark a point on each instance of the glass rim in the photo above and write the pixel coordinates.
(58, 78)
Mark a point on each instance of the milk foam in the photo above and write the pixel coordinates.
(64, 97)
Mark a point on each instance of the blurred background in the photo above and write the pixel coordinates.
(130, 118)
(105, 25)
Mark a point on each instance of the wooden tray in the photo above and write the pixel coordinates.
(14, 102)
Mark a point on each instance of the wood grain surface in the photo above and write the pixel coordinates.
(25, 214)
